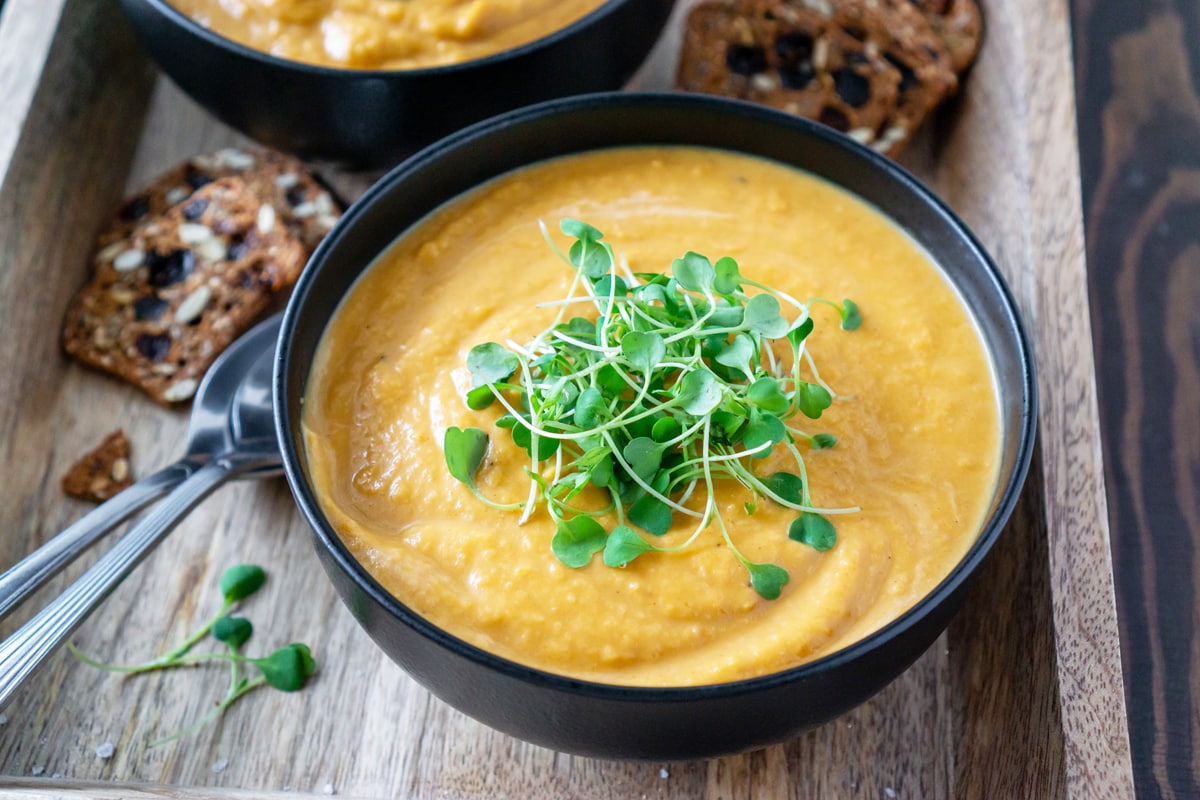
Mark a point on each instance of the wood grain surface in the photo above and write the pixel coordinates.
(1138, 78)
(1020, 698)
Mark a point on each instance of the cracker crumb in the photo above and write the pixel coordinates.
(102, 472)
(220, 764)
(105, 750)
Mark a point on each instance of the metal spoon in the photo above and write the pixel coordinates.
(230, 434)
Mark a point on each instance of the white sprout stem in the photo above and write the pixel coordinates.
(710, 508)
(685, 435)
(531, 500)
(698, 322)
(633, 281)
(570, 301)
(812, 365)
(740, 454)
(607, 352)
(616, 453)
(770, 351)
(781, 295)
(708, 484)
(657, 326)
(687, 493)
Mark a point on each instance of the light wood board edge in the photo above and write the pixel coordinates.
(46, 789)
(1091, 687)
(26, 30)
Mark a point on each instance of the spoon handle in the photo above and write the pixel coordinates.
(21, 653)
(24, 577)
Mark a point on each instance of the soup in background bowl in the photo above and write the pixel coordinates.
(384, 34)
(338, 111)
(674, 655)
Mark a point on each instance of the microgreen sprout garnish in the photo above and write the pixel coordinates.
(286, 669)
(680, 380)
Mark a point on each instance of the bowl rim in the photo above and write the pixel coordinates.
(169, 11)
(960, 574)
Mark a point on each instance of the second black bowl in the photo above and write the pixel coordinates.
(365, 119)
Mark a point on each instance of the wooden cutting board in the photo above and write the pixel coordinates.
(1021, 697)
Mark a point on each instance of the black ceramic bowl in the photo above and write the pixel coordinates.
(614, 721)
(372, 118)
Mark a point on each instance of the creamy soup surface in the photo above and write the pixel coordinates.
(384, 34)
(917, 421)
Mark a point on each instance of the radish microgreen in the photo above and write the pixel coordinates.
(681, 379)
(286, 669)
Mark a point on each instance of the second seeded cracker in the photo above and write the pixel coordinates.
(165, 300)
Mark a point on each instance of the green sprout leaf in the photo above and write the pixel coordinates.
(577, 540)
(288, 668)
(762, 316)
(624, 546)
(727, 280)
(233, 631)
(763, 428)
(813, 399)
(577, 229)
(644, 456)
(589, 407)
(601, 474)
(766, 394)
(700, 393)
(464, 451)
(737, 354)
(665, 430)
(785, 485)
(643, 351)
(241, 581)
(694, 272)
(800, 331)
(651, 515)
(767, 579)
(851, 318)
(490, 363)
(823, 441)
(813, 530)
(480, 398)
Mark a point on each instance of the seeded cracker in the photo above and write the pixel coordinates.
(101, 473)
(959, 24)
(873, 69)
(305, 207)
(170, 296)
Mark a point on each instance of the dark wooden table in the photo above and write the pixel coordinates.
(1138, 87)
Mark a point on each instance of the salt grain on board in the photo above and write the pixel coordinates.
(37, 769)
(662, 773)
(329, 788)
(105, 750)
(889, 791)
(220, 764)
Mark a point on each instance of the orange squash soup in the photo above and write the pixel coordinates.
(384, 34)
(914, 411)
